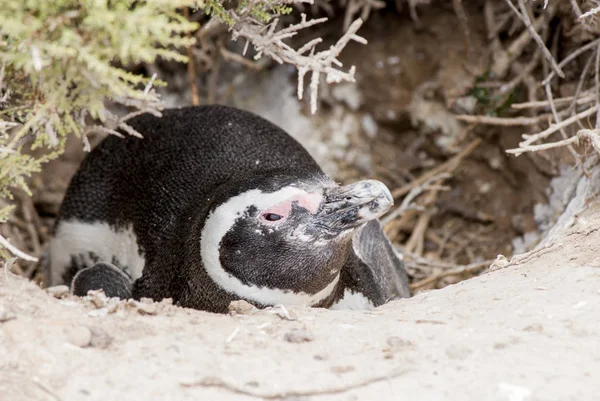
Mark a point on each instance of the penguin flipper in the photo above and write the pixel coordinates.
(102, 276)
(374, 269)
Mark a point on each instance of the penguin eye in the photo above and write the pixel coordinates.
(276, 214)
(272, 217)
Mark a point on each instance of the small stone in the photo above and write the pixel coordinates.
(58, 291)
(241, 307)
(369, 126)
(112, 307)
(146, 309)
(97, 298)
(348, 93)
(79, 336)
(535, 328)
(458, 352)
(167, 301)
(298, 336)
(6, 315)
(397, 343)
(100, 338)
(466, 104)
(500, 263)
(342, 369)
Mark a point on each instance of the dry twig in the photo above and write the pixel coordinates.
(15, 251)
(588, 98)
(266, 40)
(114, 122)
(529, 139)
(524, 16)
(572, 57)
(191, 67)
(364, 7)
(408, 201)
(455, 271)
(592, 135)
(447, 167)
(502, 121)
(240, 389)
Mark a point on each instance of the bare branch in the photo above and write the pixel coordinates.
(15, 251)
(571, 57)
(270, 42)
(524, 16)
(504, 121)
(553, 128)
(591, 135)
(593, 11)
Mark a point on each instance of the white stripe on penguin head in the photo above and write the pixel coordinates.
(216, 226)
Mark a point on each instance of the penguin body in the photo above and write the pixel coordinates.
(216, 204)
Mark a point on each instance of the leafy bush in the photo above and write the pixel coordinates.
(59, 65)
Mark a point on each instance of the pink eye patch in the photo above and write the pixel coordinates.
(310, 202)
(280, 211)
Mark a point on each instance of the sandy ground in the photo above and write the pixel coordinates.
(528, 331)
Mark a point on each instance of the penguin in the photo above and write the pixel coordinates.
(216, 204)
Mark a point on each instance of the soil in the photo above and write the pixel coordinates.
(524, 332)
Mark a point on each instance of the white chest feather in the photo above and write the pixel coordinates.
(353, 301)
(79, 239)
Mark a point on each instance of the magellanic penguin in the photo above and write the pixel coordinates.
(216, 204)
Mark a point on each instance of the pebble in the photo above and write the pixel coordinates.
(298, 336)
(97, 298)
(100, 338)
(458, 352)
(79, 336)
(342, 369)
(58, 291)
(241, 307)
(535, 328)
(5, 315)
(500, 263)
(144, 308)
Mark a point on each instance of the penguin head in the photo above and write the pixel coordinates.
(281, 240)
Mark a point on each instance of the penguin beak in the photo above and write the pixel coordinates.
(352, 205)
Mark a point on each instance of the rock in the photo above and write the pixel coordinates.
(458, 352)
(298, 336)
(348, 93)
(465, 104)
(369, 125)
(342, 369)
(6, 315)
(241, 307)
(58, 291)
(500, 263)
(394, 345)
(79, 336)
(534, 328)
(100, 338)
(398, 343)
(146, 308)
(97, 298)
